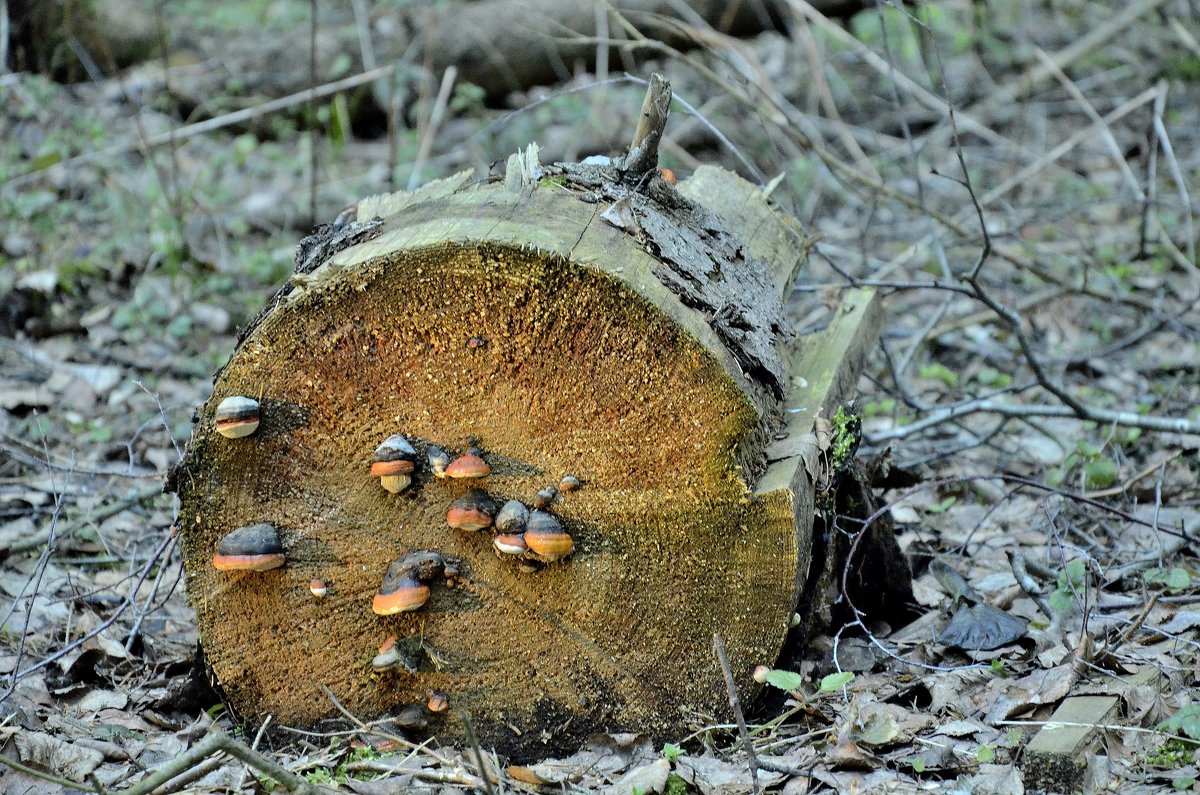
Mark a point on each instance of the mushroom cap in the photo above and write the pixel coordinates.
(474, 510)
(404, 587)
(236, 416)
(391, 655)
(438, 701)
(402, 596)
(254, 547)
(512, 517)
(439, 459)
(510, 544)
(545, 497)
(397, 466)
(422, 565)
(470, 465)
(318, 587)
(546, 537)
(395, 448)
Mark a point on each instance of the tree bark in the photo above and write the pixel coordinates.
(568, 325)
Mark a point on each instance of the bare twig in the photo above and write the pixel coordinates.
(313, 157)
(34, 540)
(474, 743)
(1128, 419)
(44, 776)
(431, 126)
(735, 704)
(1017, 562)
(216, 742)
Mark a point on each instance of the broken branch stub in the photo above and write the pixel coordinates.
(652, 121)
(519, 330)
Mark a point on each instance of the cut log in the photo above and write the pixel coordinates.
(567, 325)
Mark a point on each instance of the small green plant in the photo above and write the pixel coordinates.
(878, 408)
(676, 785)
(1098, 470)
(941, 505)
(1172, 754)
(993, 378)
(986, 754)
(672, 752)
(319, 776)
(1071, 580)
(468, 99)
(846, 428)
(784, 680)
(939, 372)
(1174, 580)
(1185, 722)
(834, 682)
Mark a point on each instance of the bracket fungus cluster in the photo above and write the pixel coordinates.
(519, 532)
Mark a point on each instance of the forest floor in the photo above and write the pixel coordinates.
(1034, 405)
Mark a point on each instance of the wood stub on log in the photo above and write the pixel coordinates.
(643, 150)
(567, 326)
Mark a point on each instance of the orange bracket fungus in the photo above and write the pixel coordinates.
(255, 547)
(469, 465)
(546, 537)
(405, 586)
(510, 544)
(475, 510)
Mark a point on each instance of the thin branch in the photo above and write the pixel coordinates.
(1126, 419)
(736, 705)
(44, 776)
(216, 742)
(109, 509)
(440, 103)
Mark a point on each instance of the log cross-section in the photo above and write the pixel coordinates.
(632, 339)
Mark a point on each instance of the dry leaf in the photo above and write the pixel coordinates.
(69, 760)
(848, 756)
(714, 776)
(644, 779)
(1039, 687)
